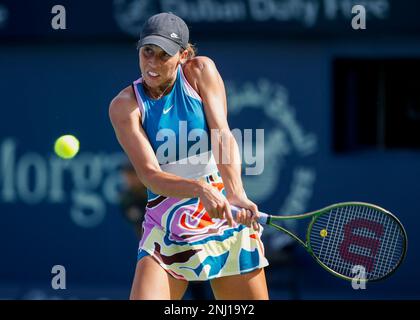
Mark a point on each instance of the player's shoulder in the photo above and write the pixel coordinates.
(199, 70)
(198, 66)
(123, 104)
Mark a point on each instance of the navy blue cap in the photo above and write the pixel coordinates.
(167, 31)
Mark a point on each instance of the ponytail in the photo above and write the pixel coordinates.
(192, 51)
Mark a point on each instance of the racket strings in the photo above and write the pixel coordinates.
(358, 235)
(385, 253)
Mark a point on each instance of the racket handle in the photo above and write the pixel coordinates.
(262, 219)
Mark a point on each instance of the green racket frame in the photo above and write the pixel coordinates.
(316, 214)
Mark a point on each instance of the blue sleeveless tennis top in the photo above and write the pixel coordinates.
(177, 129)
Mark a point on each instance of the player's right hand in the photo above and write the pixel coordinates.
(216, 204)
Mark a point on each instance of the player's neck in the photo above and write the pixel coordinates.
(159, 92)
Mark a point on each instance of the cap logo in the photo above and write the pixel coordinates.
(174, 35)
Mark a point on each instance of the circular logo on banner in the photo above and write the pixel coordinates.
(131, 14)
(286, 183)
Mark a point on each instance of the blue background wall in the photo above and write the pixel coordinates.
(56, 212)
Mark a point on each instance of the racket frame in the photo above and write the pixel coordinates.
(315, 214)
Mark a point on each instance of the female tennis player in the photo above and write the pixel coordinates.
(188, 232)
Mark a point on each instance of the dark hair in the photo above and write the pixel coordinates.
(192, 51)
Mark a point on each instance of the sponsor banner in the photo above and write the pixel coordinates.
(241, 18)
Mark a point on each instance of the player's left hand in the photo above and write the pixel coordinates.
(249, 214)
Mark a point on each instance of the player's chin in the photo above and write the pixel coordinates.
(152, 81)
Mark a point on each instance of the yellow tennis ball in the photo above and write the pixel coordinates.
(66, 146)
(323, 233)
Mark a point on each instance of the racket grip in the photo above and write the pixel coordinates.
(262, 219)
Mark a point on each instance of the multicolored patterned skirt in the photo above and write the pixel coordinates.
(191, 246)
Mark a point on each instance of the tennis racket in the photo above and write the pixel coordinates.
(344, 235)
